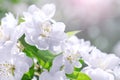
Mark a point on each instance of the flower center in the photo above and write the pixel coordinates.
(7, 70)
(46, 29)
(73, 57)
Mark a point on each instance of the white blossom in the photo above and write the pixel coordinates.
(46, 34)
(9, 29)
(41, 30)
(116, 72)
(102, 60)
(116, 49)
(13, 66)
(98, 74)
(101, 64)
(70, 56)
(60, 75)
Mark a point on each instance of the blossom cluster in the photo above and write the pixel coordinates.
(36, 47)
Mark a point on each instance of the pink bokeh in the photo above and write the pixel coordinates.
(92, 11)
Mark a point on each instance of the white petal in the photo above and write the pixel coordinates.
(77, 64)
(49, 10)
(68, 68)
(59, 27)
(57, 63)
(117, 72)
(111, 61)
(33, 8)
(59, 75)
(99, 74)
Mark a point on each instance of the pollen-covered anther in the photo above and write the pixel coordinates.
(7, 70)
(20, 46)
(46, 29)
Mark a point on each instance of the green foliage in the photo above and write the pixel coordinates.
(29, 75)
(15, 1)
(20, 20)
(44, 57)
(72, 33)
(2, 12)
(78, 76)
(83, 65)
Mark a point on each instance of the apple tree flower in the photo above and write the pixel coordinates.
(99, 74)
(59, 75)
(70, 56)
(13, 66)
(41, 30)
(101, 65)
(102, 60)
(56, 55)
(9, 29)
(116, 72)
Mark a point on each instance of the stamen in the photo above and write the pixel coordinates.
(20, 46)
(46, 29)
(73, 57)
(7, 70)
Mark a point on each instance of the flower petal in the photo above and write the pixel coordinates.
(49, 10)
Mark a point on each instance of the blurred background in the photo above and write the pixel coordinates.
(98, 20)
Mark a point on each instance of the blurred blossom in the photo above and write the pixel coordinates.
(96, 18)
(94, 32)
(116, 49)
(19, 8)
(92, 11)
(104, 43)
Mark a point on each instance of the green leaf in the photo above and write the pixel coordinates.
(72, 33)
(21, 20)
(83, 65)
(78, 76)
(44, 57)
(28, 49)
(29, 75)
(2, 12)
(15, 1)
